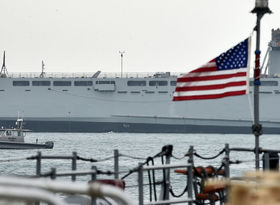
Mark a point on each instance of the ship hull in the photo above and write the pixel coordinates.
(63, 105)
(188, 126)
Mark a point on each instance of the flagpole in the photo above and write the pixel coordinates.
(261, 8)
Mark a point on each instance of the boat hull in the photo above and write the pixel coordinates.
(22, 145)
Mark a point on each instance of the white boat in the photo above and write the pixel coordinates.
(13, 134)
(13, 138)
(103, 103)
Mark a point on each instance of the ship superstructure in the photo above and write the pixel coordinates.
(99, 103)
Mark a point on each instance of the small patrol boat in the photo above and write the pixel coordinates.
(13, 138)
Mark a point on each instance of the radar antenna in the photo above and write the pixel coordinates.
(4, 71)
(42, 75)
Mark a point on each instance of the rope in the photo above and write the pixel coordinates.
(177, 196)
(105, 159)
(14, 159)
(143, 163)
(87, 159)
(178, 158)
(209, 158)
(48, 174)
(130, 172)
(105, 172)
(152, 183)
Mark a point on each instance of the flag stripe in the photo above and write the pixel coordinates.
(215, 77)
(209, 92)
(208, 69)
(212, 82)
(211, 87)
(217, 72)
(210, 66)
(213, 96)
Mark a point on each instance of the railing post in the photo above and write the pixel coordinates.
(190, 174)
(74, 165)
(93, 179)
(53, 173)
(38, 169)
(116, 163)
(38, 164)
(266, 161)
(226, 161)
(167, 149)
(140, 184)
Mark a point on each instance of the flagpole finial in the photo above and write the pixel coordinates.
(261, 6)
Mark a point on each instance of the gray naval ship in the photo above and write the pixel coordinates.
(100, 103)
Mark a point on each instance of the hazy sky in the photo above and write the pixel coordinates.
(157, 35)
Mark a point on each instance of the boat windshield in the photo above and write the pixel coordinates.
(12, 133)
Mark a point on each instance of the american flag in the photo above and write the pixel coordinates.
(225, 75)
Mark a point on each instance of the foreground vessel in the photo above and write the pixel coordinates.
(99, 103)
(13, 138)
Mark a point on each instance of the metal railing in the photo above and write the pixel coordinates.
(38, 189)
(144, 167)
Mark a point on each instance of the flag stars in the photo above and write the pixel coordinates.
(235, 57)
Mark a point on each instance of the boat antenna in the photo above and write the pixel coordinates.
(4, 71)
(261, 8)
(42, 75)
(121, 52)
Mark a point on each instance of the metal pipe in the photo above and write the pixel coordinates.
(261, 8)
(176, 201)
(256, 90)
(75, 173)
(155, 167)
(239, 149)
(30, 194)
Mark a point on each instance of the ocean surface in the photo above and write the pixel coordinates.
(101, 146)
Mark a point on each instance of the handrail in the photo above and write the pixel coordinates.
(92, 189)
(31, 194)
(166, 166)
(174, 201)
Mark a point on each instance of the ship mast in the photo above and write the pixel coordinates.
(121, 52)
(261, 8)
(42, 75)
(4, 71)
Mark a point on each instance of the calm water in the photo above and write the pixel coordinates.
(101, 145)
